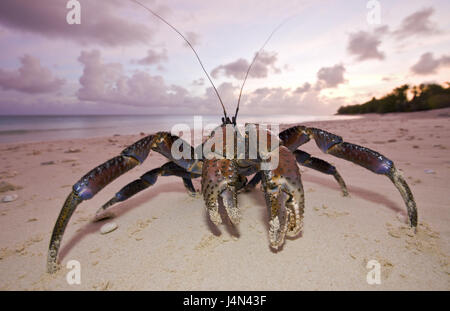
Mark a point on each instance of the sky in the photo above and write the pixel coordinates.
(121, 59)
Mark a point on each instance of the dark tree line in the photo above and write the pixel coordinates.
(425, 97)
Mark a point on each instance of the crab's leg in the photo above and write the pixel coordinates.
(285, 198)
(305, 159)
(253, 182)
(187, 181)
(220, 180)
(149, 179)
(99, 177)
(365, 157)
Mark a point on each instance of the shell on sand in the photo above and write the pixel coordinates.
(10, 198)
(109, 227)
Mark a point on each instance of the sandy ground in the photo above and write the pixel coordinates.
(165, 242)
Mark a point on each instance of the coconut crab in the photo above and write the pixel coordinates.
(224, 168)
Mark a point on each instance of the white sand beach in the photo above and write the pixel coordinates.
(164, 240)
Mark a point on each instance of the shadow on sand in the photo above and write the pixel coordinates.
(256, 195)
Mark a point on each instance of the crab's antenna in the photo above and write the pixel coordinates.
(190, 45)
(253, 61)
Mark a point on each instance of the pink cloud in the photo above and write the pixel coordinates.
(107, 83)
(418, 23)
(31, 78)
(193, 38)
(303, 89)
(365, 45)
(427, 64)
(198, 82)
(100, 21)
(330, 77)
(237, 69)
(154, 57)
(280, 100)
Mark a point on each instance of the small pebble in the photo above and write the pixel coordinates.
(72, 150)
(48, 163)
(10, 198)
(69, 160)
(109, 227)
(429, 171)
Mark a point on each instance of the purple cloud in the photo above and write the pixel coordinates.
(330, 77)
(107, 83)
(303, 89)
(365, 45)
(153, 57)
(237, 69)
(417, 23)
(193, 38)
(30, 78)
(100, 22)
(427, 64)
(198, 82)
(310, 102)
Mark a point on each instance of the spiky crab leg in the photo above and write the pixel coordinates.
(365, 157)
(99, 177)
(305, 159)
(85, 189)
(149, 179)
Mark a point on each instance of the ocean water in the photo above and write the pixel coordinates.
(46, 128)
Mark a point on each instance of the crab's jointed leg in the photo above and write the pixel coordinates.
(253, 182)
(99, 177)
(332, 144)
(149, 179)
(305, 159)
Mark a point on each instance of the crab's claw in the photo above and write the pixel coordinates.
(220, 180)
(284, 198)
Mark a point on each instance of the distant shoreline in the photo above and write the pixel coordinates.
(15, 129)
